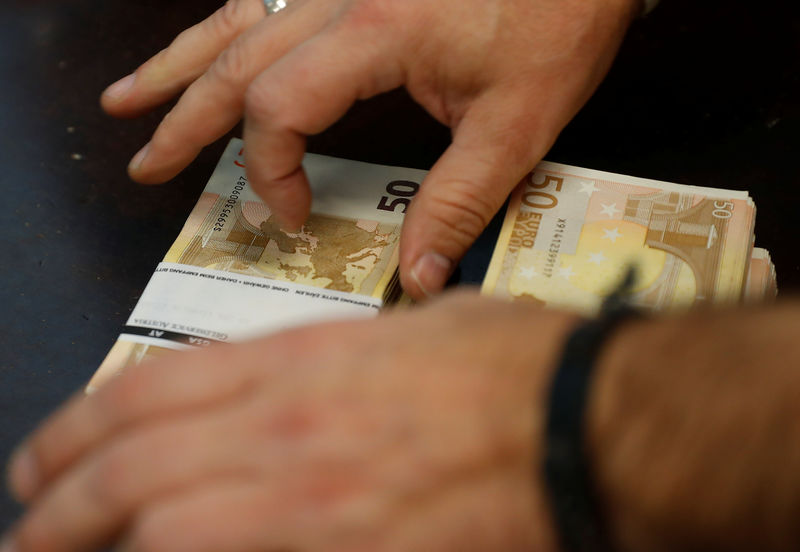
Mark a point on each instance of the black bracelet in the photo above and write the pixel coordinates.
(578, 519)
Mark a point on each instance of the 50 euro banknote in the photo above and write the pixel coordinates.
(570, 234)
(233, 274)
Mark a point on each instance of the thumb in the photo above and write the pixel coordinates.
(494, 146)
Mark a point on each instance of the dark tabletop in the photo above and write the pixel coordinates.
(703, 93)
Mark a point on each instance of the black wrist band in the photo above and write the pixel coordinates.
(578, 520)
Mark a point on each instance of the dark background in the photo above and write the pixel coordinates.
(703, 93)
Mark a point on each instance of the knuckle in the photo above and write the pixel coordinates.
(232, 66)
(261, 102)
(121, 397)
(282, 190)
(107, 485)
(464, 209)
(371, 12)
(306, 345)
(296, 421)
(229, 18)
(295, 339)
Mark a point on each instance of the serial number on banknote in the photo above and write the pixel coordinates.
(227, 209)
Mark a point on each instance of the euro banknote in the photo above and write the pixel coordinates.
(570, 234)
(233, 273)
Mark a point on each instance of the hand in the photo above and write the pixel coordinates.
(413, 431)
(505, 75)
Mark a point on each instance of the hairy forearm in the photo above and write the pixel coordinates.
(694, 430)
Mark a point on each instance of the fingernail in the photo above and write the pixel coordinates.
(119, 89)
(431, 272)
(8, 544)
(138, 159)
(23, 474)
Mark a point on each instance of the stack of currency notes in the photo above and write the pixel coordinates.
(569, 237)
(571, 234)
(233, 274)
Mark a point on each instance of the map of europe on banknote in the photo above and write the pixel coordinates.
(231, 229)
(349, 255)
(570, 234)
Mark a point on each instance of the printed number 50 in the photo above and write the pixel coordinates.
(722, 209)
(402, 190)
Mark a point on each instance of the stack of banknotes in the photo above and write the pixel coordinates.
(569, 236)
(233, 274)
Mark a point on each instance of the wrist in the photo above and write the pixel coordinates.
(688, 436)
(614, 410)
(568, 475)
(541, 335)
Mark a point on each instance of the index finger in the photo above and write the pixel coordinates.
(173, 385)
(170, 387)
(304, 93)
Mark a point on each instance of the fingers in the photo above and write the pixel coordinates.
(91, 502)
(493, 148)
(304, 93)
(284, 513)
(178, 384)
(214, 103)
(190, 54)
(224, 515)
(143, 461)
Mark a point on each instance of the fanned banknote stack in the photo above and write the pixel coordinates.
(233, 274)
(570, 235)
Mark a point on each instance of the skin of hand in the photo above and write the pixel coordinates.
(692, 428)
(505, 75)
(416, 431)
